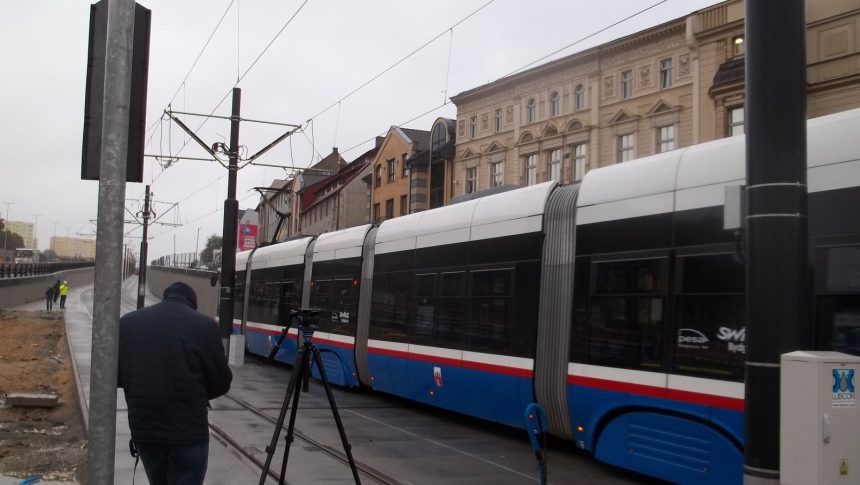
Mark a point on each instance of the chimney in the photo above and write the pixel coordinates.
(379, 140)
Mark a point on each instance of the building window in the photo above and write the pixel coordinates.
(735, 121)
(666, 73)
(531, 169)
(580, 160)
(738, 45)
(497, 120)
(626, 84)
(376, 212)
(389, 209)
(554, 104)
(579, 97)
(377, 176)
(531, 110)
(404, 205)
(471, 180)
(625, 148)
(554, 163)
(665, 138)
(473, 126)
(497, 174)
(392, 166)
(405, 168)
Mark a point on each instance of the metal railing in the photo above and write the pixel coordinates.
(22, 270)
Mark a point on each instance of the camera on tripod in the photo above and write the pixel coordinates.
(308, 354)
(306, 321)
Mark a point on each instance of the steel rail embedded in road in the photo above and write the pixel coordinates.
(338, 455)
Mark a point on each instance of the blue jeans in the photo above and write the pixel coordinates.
(174, 464)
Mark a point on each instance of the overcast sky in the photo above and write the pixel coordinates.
(329, 49)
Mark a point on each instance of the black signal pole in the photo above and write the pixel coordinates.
(144, 245)
(776, 225)
(231, 216)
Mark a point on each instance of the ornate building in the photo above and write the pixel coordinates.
(663, 88)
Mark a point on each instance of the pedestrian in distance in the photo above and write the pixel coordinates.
(171, 363)
(64, 292)
(49, 298)
(57, 291)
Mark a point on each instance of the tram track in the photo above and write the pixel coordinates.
(366, 471)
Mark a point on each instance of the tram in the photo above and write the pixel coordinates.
(616, 303)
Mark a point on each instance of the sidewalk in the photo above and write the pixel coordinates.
(79, 323)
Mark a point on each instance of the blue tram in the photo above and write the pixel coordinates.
(616, 303)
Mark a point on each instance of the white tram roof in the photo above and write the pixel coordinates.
(287, 253)
(696, 176)
(508, 213)
(345, 243)
(242, 260)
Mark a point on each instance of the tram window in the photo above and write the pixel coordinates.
(452, 284)
(425, 301)
(625, 332)
(710, 333)
(710, 336)
(712, 273)
(288, 300)
(439, 309)
(425, 285)
(490, 312)
(239, 300)
(637, 276)
(626, 315)
(451, 310)
(843, 269)
(321, 297)
(390, 303)
(839, 321)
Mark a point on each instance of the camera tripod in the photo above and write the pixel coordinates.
(302, 369)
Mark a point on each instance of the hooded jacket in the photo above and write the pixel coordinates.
(171, 362)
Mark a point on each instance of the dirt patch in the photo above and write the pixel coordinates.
(34, 358)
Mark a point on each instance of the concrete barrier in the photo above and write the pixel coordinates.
(18, 291)
(158, 278)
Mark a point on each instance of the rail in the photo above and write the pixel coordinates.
(366, 470)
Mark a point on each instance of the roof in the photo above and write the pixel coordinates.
(421, 137)
(310, 194)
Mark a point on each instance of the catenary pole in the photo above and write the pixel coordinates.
(231, 215)
(776, 225)
(144, 245)
(109, 242)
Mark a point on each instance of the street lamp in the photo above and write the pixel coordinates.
(6, 228)
(36, 232)
(197, 247)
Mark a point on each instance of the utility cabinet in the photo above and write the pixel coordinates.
(819, 419)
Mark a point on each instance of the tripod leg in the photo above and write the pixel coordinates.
(303, 371)
(291, 387)
(278, 344)
(346, 446)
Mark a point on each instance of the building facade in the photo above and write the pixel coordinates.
(390, 174)
(663, 88)
(279, 208)
(23, 229)
(338, 201)
(73, 248)
(433, 168)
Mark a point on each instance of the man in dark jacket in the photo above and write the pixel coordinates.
(171, 363)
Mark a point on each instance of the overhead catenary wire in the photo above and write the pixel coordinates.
(583, 39)
(374, 78)
(578, 41)
(400, 61)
